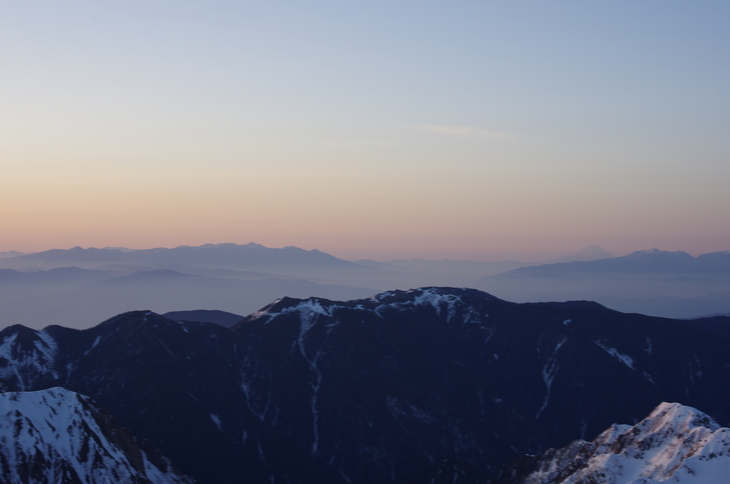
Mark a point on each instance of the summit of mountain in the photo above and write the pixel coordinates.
(675, 443)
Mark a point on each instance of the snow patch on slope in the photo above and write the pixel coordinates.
(549, 370)
(439, 302)
(443, 303)
(623, 358)
(217, 421)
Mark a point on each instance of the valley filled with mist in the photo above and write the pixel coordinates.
(80, 287)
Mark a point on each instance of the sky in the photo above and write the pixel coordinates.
(379, 130)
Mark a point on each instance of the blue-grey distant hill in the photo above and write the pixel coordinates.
(12, 253)
(644, 262)
(671, 284)
(229, 256)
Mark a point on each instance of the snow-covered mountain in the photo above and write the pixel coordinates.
(58, 436)
(674, 444)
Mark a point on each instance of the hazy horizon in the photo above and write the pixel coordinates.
(469, 131)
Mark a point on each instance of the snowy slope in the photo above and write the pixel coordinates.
(674, 444)
(56, 435)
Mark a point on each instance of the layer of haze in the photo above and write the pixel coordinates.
(483, 130)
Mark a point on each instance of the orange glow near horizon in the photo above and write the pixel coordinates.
(363, 133)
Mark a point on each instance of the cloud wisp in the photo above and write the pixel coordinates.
(470, 131)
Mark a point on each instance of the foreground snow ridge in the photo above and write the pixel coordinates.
(674, 444)
(57, 435)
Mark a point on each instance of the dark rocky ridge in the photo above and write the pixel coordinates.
(374, 390)
(205, 316)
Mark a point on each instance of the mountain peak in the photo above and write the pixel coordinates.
(594, 252)
(675, 443)
(678, 416)
(133, 320)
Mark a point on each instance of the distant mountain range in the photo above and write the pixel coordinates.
(642, 263)
(425, 382)
(671, 284)
(252, 260)
(78, 287)
(215, 256)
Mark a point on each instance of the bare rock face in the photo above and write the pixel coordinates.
(59, 436)
(675, 443)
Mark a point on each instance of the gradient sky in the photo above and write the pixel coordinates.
(463, 130)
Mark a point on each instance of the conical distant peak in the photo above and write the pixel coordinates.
(595, 251)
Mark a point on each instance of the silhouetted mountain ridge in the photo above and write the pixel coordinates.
(223, 318)
(373, 390)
